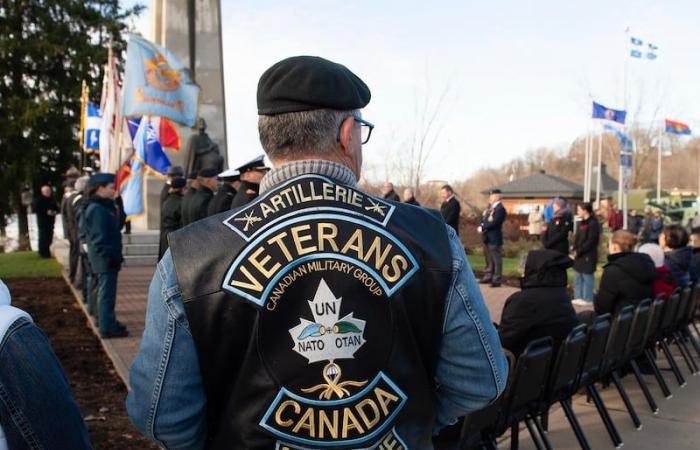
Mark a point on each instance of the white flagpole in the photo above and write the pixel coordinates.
(586, 188)
(598, 181)
(658, 169)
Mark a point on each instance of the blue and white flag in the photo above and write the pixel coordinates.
(626, 143)
(131, 189)
(614, 115)
(157, 84)
(639, 50)
(93, 120)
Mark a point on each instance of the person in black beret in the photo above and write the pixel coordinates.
(251, 173)
(492, 236)
(316, 292)
(104, 242)
(197, 207)
(173, 172)
(190, 191)
(231, 181)
(171, 213)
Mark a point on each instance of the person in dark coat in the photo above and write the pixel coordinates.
(104, 250)
(491, 229)
(586, 243)
(410, 197)
(88, 279)
(556, 236)
(388, 192)
(69, 229)
(252, 174)
(171, 214)
(46, 210)
(634, 222)
(173, 172)
(450, 208)
(679, 257)
(656, 227)
(695, 246)
(198, 206)
(542, 308)
(628, 277)
(188, 197)
(227, 192)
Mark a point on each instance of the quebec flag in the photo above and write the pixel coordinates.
(93, 121)
(157, 84)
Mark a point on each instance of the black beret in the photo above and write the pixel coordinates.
(495, 191)
(192, 175)
(208, 172)
(178, 183)
(100, 178)
(175, 171)
(305, 83)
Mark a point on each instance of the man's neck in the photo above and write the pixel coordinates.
(283, 172)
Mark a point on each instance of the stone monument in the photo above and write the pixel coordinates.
(190, 30)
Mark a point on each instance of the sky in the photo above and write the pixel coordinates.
(517, 75)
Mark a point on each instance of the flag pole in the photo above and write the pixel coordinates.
(83, 107)
(658, 169)
(598, 180)
(586, 190)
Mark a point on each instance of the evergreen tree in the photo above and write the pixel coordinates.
(47, 48)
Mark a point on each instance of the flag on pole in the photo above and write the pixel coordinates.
(613, 115)
(639, 50)
(132, 178)
(93, 123)
(673, 127)
(154, 157)
(157, 84)
(109, 106)
(626, 143)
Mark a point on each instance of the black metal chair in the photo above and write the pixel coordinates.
(562, 379)
(596, 342)
(657, 311)
(524, 397)
(665, 327)
(689, 318)
(674, 335)
(614, 358)
(635, 347)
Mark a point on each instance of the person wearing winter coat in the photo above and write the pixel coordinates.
(656, 226)
(664, 282)
(585, 255)
(542, 308)
(628, 277)
(556, 236)
(679, 257)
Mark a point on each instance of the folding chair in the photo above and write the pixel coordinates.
(657, 311)
(635, 348)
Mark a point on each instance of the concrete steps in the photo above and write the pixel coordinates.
(140, 248)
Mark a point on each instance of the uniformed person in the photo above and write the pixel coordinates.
(69, 230)
(104, 242)
(170, 213)
(188, 198)
(231, 181)
(251, 174)
(196, 209)
(173, 172)
(316, 316)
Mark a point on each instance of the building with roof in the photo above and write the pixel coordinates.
(522, 195)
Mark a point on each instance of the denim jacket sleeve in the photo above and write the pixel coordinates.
(472, 370)
(167, 401)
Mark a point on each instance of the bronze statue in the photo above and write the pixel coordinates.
(202, 152)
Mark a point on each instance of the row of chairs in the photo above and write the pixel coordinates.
(599, 353)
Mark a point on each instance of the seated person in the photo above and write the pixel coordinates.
(695, 246)
(37, 409)
(679, 257)
(628, 277)
(542, 308)
(664, 282)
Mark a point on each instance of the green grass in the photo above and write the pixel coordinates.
(510, 265)
(28, 265)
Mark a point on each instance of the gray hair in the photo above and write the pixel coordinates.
(81, 183)
(300, 134)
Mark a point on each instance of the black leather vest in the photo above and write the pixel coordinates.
(316, 311)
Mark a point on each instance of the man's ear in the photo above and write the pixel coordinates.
(346, 135)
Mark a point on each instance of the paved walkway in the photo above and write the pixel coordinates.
(676, 426)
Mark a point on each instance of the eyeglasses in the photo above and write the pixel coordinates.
(365, 128)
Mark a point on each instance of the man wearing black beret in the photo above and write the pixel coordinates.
(197, 206)
(317, 315)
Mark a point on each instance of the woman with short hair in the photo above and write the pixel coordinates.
(679, 257)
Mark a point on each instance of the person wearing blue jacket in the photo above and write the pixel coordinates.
(104, 250)
(492, 236)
